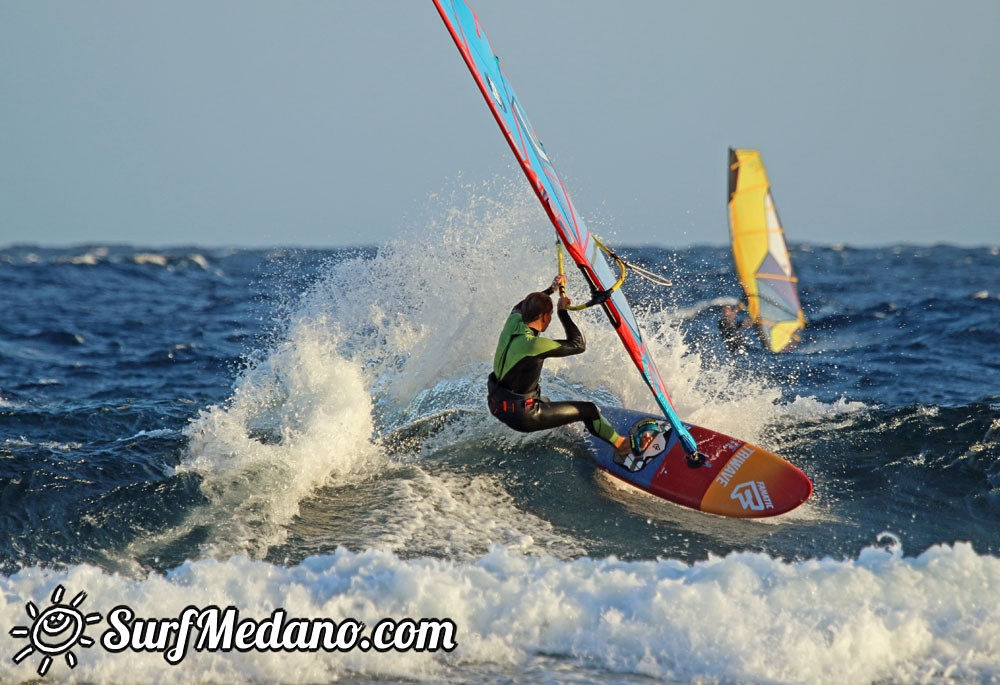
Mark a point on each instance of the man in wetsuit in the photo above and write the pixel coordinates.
(514, 396)
(731, 330)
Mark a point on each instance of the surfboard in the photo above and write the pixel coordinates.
(730, 477)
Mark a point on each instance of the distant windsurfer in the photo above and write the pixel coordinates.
(514, 396)
(731, 329)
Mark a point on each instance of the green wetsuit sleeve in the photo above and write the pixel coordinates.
(574, 338)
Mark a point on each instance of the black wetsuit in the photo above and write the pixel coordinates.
(732, 334)
(514, 396)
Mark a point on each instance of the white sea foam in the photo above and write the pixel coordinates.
(155, 433)
(744, 617)
(296, 420)
(358, 348)
(91, 258)
(150, 258)
(199, 260)
(456, 517)
(697, 308)
(47, 444)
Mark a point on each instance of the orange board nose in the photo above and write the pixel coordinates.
(756, 483)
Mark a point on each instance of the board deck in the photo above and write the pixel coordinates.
(734, 478)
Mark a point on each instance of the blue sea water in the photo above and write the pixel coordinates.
(305, 429)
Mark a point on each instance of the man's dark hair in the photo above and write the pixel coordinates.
(534, 306)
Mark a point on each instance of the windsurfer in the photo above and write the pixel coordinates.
(514, 395)
(731, 330)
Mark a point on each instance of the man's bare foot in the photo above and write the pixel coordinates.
(622, 447)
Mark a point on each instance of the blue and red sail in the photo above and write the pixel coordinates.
(579, 243)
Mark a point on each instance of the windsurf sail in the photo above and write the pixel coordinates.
(762, 261)
(582, 247)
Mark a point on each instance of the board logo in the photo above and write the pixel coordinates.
(55, 631)
(753, 495)
(653, 436)
(733, 465)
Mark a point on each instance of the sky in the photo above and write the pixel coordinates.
(329, 123)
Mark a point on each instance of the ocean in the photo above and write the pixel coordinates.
(302, 433)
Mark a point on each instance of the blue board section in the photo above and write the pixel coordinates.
(634, 471)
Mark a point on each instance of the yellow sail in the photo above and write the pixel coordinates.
(762, 262)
